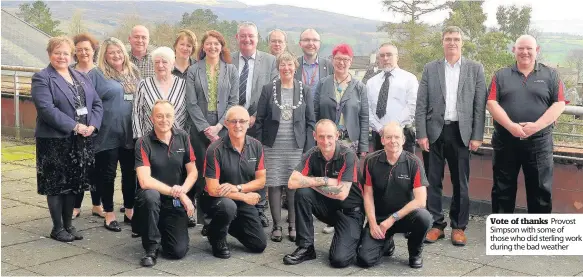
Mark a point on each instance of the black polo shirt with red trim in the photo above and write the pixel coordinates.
(342, 167)
(526, 98)
(392, 185)
(166, 161)
(225, 163)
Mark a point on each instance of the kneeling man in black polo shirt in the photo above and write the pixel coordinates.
(234, 171)
(326, 183)
(395, 194)
(166, 172)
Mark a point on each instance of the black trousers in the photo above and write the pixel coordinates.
(347, 224)
(105, 172)
(535, 156)
(161, 224)
(199, 144)
(409, 140)
(417, 223)
(95, 199)
(448, 147)
(236, 218)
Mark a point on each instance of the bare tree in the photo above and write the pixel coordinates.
(76, 25)
(575, 60)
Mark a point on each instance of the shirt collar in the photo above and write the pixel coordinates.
(144, 57)
(458, 63)
(402, 157)
(228, 143)
(337, 151)
(316, 61)
(536, 66)
(155, 138)
(251, 58)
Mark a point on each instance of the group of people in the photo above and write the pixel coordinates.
(198, 130)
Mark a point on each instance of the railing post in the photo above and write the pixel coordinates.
(16, 106)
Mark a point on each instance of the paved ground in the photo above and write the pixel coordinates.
(26, 250)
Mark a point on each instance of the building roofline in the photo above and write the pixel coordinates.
(23, 21)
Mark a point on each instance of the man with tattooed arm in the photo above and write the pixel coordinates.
(326, 186)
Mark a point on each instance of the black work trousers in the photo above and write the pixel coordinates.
(409, 140)
(236, 218)
(535, 156)
(161, 224)
(416, 223)
(95, 199)
(347, 224)
(448, 147)
(199, 144)
(105, 172)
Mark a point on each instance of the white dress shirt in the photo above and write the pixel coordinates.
(401, 100)
(452, 79)
(251, 63)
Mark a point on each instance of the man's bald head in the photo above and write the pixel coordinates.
(393, 127)
(525, 52)
(139, 40)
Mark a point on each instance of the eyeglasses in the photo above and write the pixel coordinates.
(276, 41)
(235, 121)
(387, 55)
(343, 60)
(310, 40)
(81, 50)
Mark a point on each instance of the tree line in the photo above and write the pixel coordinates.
(418, 42)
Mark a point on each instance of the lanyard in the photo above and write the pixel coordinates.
(312, 79)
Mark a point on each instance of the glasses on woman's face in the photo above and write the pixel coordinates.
(235, 121)
(342, 60)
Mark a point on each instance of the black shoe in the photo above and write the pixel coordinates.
(191, 222)
(205, 230)
(416, 262)
(150, 259)
(406, 235)
(62, 236)
(264, 220)
(300, 255)
(221, 249)
(126, 219)
(113, 226)
(73, 231)
(391, 247)
(277, 237)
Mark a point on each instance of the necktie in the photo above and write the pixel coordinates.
(383, 96)
(243, 82)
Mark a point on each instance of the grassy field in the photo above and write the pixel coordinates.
(556, 48)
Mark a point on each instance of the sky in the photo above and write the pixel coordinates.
(547, 15)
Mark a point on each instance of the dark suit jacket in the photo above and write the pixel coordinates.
(268, 116)
(264, 71)
(55, 105)
(471, 101)
(354, 106)
(325, 68)
(197, 93)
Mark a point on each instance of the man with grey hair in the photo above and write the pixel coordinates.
(449, 120)
(392, 96)
(312, 68)
(139, 39)
(256, 69)
(277, 42)
(525, 99)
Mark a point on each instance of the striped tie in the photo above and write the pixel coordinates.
(243, 82)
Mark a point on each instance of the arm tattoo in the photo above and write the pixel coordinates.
(304, 182)
(331, 190)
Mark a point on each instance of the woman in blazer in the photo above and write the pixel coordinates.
(343, 99)
(212, 86)
(69, 112)
(285, 125)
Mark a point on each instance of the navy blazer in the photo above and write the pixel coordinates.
(55, 105)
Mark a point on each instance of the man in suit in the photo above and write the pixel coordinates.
(256, 69)
(277, 42)
(449, 118)
(312, 67)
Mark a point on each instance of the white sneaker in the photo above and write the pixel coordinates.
(328, 229)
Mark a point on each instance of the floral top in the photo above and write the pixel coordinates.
(213, 84)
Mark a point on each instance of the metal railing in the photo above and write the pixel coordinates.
(16, 82)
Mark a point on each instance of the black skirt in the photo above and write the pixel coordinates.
(63, 165)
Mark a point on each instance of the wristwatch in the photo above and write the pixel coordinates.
(240, 188)
(326, 180)
(395, 216)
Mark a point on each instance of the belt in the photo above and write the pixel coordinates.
(448, 122)
(350, 210)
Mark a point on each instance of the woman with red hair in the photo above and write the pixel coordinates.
(343, 99)
(212, 87)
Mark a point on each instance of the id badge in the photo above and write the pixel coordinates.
(176, 203)
(128, 97)
(82, 111)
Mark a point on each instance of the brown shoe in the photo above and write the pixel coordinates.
(458, 237)
(434, 234)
